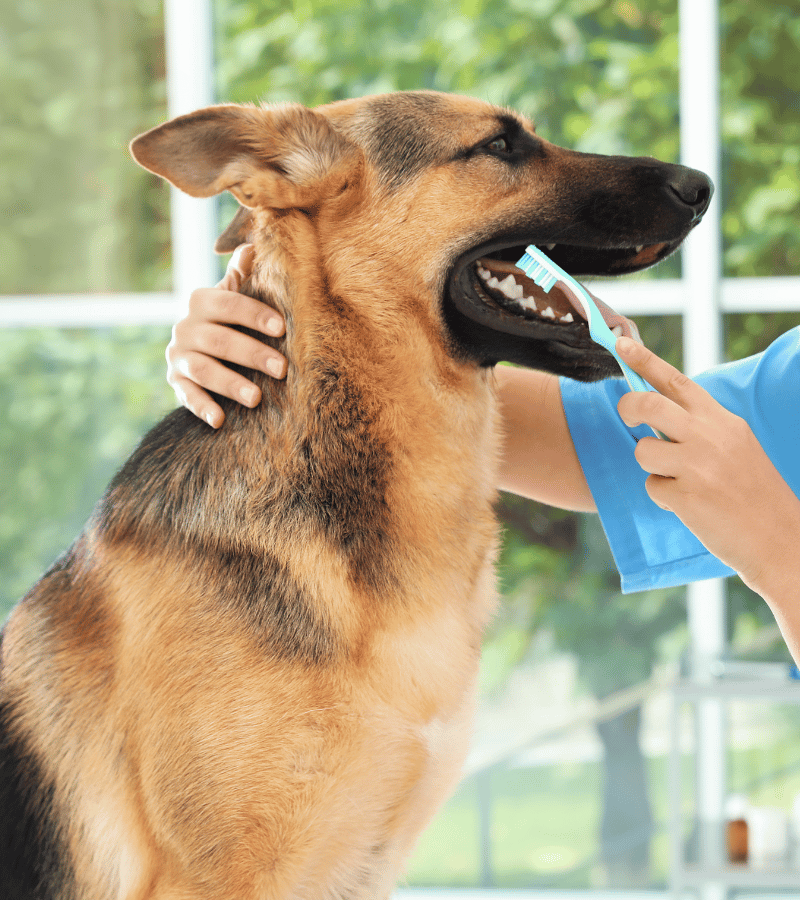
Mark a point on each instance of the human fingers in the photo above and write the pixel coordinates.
(664, 464)
(666, 379)
(240, 265)
(228, 307)
(193, 340)
(653, 409)
(197, 401)
(660, 458)
(210, 374)
(225, 304)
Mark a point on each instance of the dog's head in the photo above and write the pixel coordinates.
(440, 195)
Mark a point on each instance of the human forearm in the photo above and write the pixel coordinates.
(539, 460)
(777, 578)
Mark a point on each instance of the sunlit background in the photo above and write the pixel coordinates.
(568, 787)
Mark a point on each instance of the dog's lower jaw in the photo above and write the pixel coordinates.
(486, 345)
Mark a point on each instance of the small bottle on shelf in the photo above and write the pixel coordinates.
(736, 835)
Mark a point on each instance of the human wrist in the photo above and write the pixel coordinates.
(776, 576)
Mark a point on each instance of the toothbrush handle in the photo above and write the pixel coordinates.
(635, 381)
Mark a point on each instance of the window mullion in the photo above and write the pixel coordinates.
(190, 80)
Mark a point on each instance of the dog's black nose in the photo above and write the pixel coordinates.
(693, 188)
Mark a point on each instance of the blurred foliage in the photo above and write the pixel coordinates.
(760, 85)
(72, 404)
(595, 75)
(616, 639)
(79, 81)
(577, 67)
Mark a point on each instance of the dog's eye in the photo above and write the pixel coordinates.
(499, 145)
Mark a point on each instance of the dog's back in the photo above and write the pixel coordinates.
(252, 674)
(258, 636)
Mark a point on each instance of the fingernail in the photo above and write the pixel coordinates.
(213, 419)
(275, 367)
(249, 396)
(273, 326)
(625, 346)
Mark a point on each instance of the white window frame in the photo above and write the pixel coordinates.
(701, 296)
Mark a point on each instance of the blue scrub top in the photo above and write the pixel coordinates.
(651, 546)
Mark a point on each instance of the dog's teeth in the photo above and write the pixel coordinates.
(617, 331)
(493, 282)
(640, 248)
(548, 313)
(549, 246)
(567, 318)
(510, 288)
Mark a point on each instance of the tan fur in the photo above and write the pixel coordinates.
(197, 745)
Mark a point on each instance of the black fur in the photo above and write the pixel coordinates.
(400, 135)
(33, 861)
(341, 477)
(281, 617)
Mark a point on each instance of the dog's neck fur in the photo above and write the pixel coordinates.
(366, 443)
(372, 429)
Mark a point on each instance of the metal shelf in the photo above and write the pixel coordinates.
(742, 876)
(705, 863)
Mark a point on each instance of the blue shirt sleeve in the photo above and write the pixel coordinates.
(651, 547)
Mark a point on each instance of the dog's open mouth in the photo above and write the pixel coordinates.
(489, 294)
(489, 278)
(507, 286)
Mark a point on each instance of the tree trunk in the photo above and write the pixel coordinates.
(627, 820)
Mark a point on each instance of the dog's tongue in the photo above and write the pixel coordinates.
(610, 317)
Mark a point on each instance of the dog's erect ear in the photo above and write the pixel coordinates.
(238, 232)
(279, 157)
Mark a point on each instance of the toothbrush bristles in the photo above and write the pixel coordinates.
(538, 271)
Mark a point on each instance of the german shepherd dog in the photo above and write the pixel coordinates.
(252, 674)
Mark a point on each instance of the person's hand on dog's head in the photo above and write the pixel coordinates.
(204, 337)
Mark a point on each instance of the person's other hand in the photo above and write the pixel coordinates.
(203, 339)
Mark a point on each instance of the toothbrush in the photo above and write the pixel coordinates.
(544, 272)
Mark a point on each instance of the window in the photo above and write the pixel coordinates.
(97, 261)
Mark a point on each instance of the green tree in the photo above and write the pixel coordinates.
(73, 404)
(79, 81)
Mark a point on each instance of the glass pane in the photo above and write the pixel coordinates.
(73, 405)
(79, 81)
(760, 83)
(599, 77)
